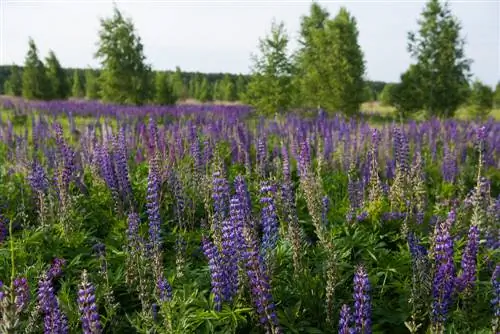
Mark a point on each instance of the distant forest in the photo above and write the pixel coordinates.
(190, 80)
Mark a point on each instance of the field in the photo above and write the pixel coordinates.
(210, 219)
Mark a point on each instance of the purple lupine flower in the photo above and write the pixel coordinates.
(67, 155)
(469, 261)
(133, 230)
(260, 288)
(21, 293)
(232, 245)
(38, 178)
(56, 268)
(269, 219)
(304, 158)
(495, 301)
(262, 156)
(444, 275)
(107, 170)
(449, 166)
(362, 304)
(54, 320)
(241, 190)
(120, 158)
(89, 315)
(220, 196)
(153, 208)
(345, 320)
(164, 289)
(216, 270)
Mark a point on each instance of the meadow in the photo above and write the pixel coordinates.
(211, 219)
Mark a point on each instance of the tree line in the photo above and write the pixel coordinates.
(327, 70)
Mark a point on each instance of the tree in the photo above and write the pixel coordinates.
(91, 85)
(368, 94)
(386, 97)
(35, 82)
(480, 99)
(77, 90)
(241, 87)
(14, 85)
(180, 89)
(330, 62)
(442, 67)
(227, 89)
(125, 78)
(310, 62)
(59, 86)
(204, 93)
(496, 98)
(164, 94)
(270, 87)
(407, 96)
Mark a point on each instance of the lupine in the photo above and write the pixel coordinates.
(495, 301)
(164, 289)
(54, 320)
(153, 208)
(269, 219)
(216, 270)
(38, 178)
(260, 288)
(89, 315)
(345, 320)
(21, 293)
(469, 261)
(220, 197)
(56, 268)
(444, 275)
(362, 302)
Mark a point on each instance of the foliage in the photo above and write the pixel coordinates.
(330, 61)
(125, 78)
(480, 99)
(270, 88)
(35, 81)
(496, 97)
(164, 93)
(14, 85)
(59, 85)
(91, 85)
(442, 69)
(78, 87)
(197, 219)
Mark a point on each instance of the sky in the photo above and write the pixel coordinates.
(220, 35)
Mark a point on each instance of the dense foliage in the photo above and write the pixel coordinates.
(198, 219)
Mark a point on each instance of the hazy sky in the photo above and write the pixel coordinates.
(219, 35)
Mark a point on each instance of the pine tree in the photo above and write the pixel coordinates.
(35, 82)
(164, 92)
(91, 85)
(77, 90)
(125, 78)
(270, 87)
(14, 85)
(442, 67)
(59, 86)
